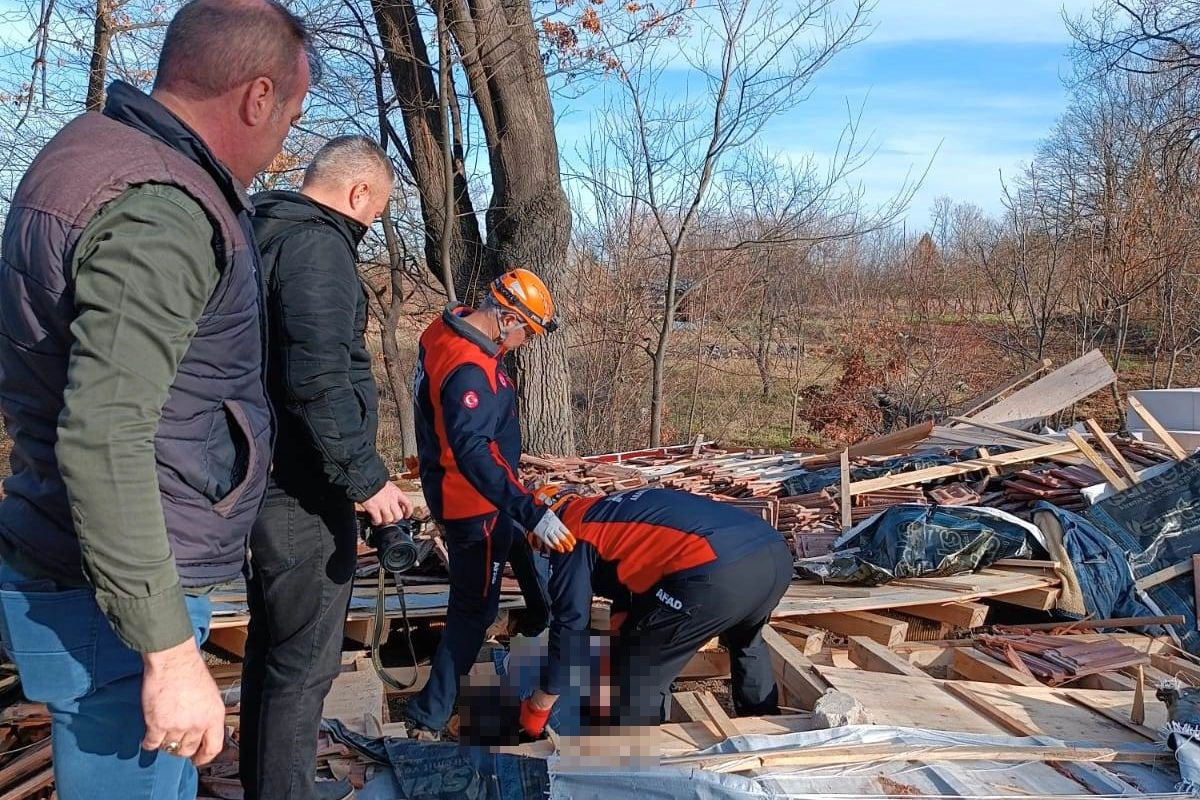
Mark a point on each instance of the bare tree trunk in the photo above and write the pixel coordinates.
(529, 219)
(101, 43)
(412, 77)
(659, 356)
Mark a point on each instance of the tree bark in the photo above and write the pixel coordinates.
(98, 68)
(529, 218)
(416, 93)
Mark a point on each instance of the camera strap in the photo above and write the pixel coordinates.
(377, 634)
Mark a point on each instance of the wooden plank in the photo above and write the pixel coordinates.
(717, 715)
(989, 710)
(808, 640)
(793, 670)
(962, 467)
(870, 655)
(705, 665)
(1165, 574)
(686, 707)
(356, 698)
(1116, 455)
(27, 788)
(1154, 425)
(1176, 667)
(1038, 599)
(1116, 481)
(988, 398)
(32, 759)
(972, 665)
(885, 630)
(1106, 681)
(1004, 430)
(847, 520)
(1083, 698)
(1047, 396)
(962, 615)
(1111, 622)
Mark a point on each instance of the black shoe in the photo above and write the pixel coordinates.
(334, 790)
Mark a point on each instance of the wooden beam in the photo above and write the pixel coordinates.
(1013, 433)
(836, 755)
(230, 640)
(1116, 481)
(1106, 682)
(1042, 599)
(30, 786)
(975, 666)
(870, 655)
(1176, 667)
(706, 665)
(962, 467)
(1165, 574)
(1106, 443)
(793, 670)
(717, 715)
(847, 517)
(686, 707)
(961, 615)
(808, 640)
(32, 759)
(1111, 622)
(1159, 431)
(885, 630)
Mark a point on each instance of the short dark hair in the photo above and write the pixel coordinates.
(344, 160)
(212, 46)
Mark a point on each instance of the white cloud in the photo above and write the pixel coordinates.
(1015, 21)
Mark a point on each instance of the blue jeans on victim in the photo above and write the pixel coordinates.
(70, 659)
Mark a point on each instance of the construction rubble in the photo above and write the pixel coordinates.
(982, 606)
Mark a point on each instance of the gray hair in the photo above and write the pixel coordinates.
(346, 160)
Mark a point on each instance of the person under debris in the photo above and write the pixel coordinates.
(680, 569)
(469, 450)
(131, 381)
(304, 546)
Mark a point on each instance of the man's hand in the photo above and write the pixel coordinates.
(535, 712)
(551, 534)
(184, 713)
(388, 505)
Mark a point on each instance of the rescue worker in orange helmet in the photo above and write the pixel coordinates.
(680, 569)
(469, 448)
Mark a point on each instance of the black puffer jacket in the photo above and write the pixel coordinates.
(318, 368)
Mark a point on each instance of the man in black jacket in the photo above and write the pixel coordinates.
(303, 547)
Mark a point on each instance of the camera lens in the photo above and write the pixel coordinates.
(395, 545)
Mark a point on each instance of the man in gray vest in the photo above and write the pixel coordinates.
(304, 546)
(131, 383)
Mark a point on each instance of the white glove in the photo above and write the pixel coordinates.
(551, 534)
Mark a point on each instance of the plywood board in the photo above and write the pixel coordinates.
(356, 699)
(1052, 393)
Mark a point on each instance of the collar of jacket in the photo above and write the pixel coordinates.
(143, 113)
(455, 314)
(299, 207)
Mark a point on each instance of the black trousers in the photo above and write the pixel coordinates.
(303, 558)
(668, 625)
(478, 550)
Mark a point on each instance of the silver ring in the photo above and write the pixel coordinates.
(171, 748)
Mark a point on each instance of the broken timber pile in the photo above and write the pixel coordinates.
(1054, 662)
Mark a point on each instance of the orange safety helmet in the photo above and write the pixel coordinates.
(524, 294)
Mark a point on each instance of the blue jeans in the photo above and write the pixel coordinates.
(70, 659)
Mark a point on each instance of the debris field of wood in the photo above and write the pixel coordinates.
(973, 653)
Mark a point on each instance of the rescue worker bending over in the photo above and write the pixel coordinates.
(680, 569)
(469, 449)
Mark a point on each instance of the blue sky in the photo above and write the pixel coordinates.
(978, 82)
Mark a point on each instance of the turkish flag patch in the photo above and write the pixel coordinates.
(470, 400)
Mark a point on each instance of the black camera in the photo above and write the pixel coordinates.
(395, 545)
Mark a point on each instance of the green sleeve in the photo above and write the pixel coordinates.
(144, 270)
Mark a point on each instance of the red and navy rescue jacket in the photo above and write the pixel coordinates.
(468, 431)
(626, 544)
